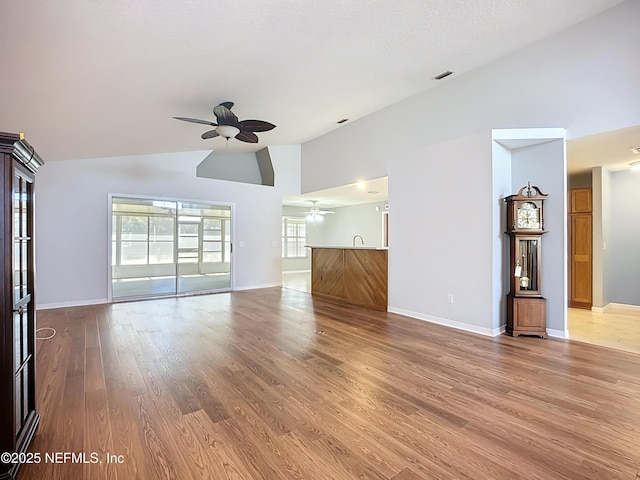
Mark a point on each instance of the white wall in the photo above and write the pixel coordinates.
(440, 235)
(624, 239)
(72, 217)
(584, 79)
(601, 199)
(501, 177)
(340, 227)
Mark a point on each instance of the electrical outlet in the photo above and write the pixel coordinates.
(449, 297)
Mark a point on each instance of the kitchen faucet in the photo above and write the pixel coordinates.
(354, 239)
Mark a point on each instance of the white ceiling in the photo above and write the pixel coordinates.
(612, 149)
(368, 191)
(88, 79)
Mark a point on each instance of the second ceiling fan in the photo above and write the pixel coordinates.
(228, 126)
(315, 214)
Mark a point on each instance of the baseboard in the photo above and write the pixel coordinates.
(296, 271)
(448, 323)
(557, 333)
(81, 303)
(615, 307)
(100, 301)
(255, 287)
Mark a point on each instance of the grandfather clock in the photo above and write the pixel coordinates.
(526, 307)
(18, 418)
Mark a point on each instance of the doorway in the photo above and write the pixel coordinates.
(163, 247)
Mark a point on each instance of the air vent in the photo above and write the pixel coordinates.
(636, 150)
(442, 75)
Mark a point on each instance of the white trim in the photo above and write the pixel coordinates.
(254, 287)
(385, 233)
(616, 306)
(296, 271)
(80, 303)
(449, 323)
(552, 332)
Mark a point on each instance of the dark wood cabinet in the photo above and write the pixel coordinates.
(526, 307)
(18, 417)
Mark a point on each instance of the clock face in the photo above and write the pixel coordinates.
(528, 216)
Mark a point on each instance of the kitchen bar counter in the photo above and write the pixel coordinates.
(356, 275)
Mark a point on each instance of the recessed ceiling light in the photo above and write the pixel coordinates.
(360, 185)
(636, 150)
(343, 120)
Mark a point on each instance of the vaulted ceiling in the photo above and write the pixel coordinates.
(89, 79)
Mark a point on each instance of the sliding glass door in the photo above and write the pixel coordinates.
(169, 247)
(204, 247)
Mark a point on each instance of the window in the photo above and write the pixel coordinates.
(294, 237)
(142, 233)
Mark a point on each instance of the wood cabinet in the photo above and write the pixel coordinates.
(527, 316)
(18, 417)
(352, 275)
(580, 200)
(580, 248)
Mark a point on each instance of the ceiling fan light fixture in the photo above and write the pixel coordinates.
(227, 131)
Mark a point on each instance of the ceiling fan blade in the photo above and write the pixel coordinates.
(195, 120)
(225, 116)
(248, 137)
(210, 134)
(255, 125)
(228, 105)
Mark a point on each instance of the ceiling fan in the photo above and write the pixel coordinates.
(229, 126)
(315, 214)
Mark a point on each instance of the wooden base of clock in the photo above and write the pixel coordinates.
(526, 316)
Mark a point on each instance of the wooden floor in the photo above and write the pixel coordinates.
(270, 384)
(618, 328)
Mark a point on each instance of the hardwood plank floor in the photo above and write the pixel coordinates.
(617, 328)
(274, 384)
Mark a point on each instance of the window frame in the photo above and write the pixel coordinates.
(300, 241)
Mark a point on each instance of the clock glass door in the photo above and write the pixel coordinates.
(528, 261)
